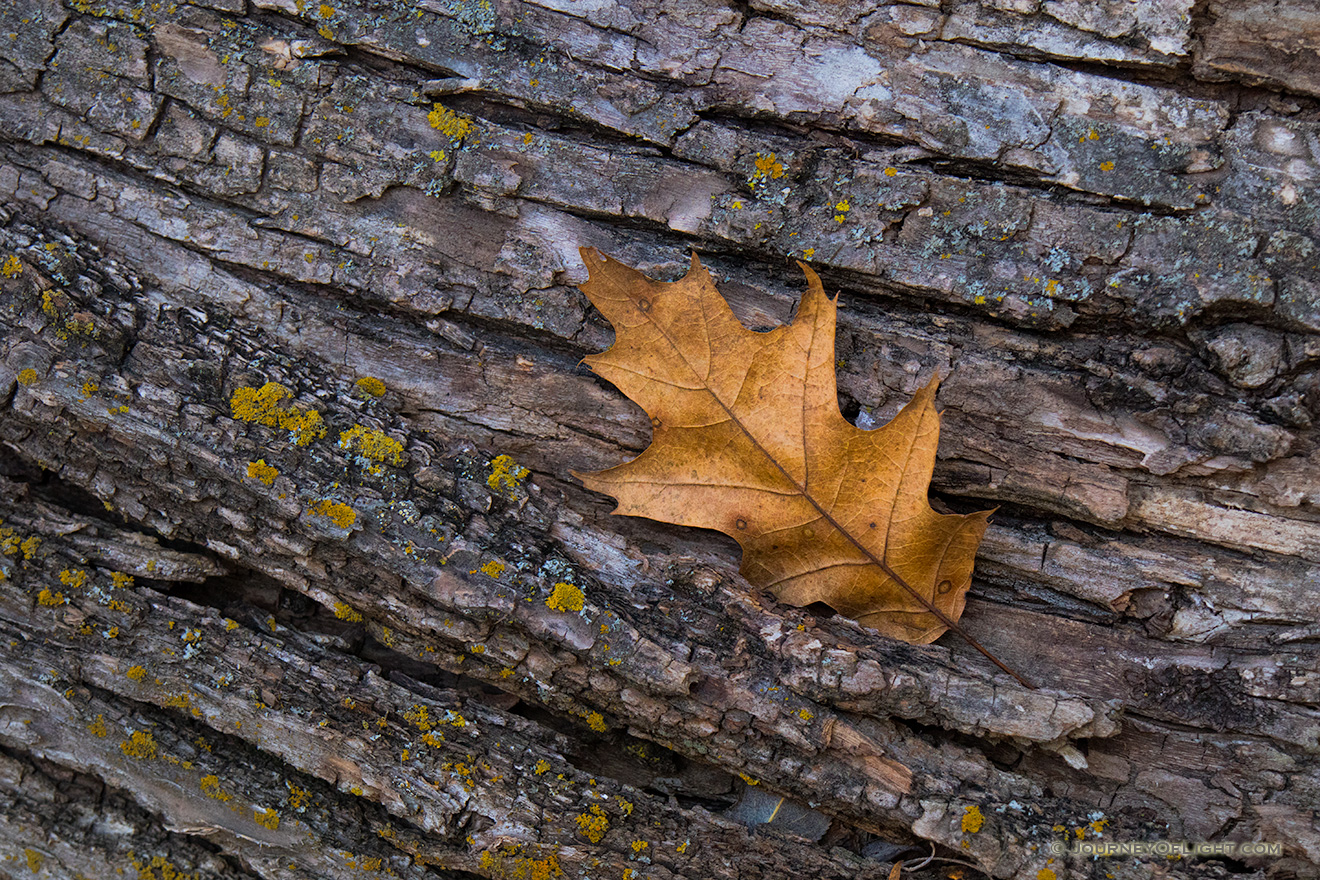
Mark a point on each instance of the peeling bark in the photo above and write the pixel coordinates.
(289, 337)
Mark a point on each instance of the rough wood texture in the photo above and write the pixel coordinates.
(287, 302)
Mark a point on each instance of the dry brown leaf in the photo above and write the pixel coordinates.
(748, 440)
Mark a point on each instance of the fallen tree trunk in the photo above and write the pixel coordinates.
(296, 581)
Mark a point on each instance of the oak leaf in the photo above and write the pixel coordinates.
(748, 440)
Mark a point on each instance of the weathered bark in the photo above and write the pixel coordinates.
(1097, 222)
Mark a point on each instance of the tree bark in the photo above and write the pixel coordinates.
(289, 341)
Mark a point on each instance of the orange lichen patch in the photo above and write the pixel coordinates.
(267, 818)
(140, 744)
(120, 580)
(506, 476)
(299, 799)
(12, 267)
(265, 406)
(46, 597)
(259, 470)
(345, 612)
(454, 126)
(370, 384)
(767, 166)
(372, 445)
(565, 597)
(972, 820)
(340, 514)
(28, 377)
(74, 579)
(137, 673)
(97, 728)
(210, 786)
(594, 823)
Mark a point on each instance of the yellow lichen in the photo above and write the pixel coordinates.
(1107, 166)
(506, 476)
(265, 406)
(682, 847)
(340, 514)
(566, 597)
(46, 597)
(34, 858)
(639, 845)
(74, 579)
(268, 818)
(370, 384)
(345, 612)
(1046, 874)
(28, 377)
(140, 744)
(420, 716)
(372, 445)
(767, 166)
(890, 172)
(594, 823)
(972, 820)
(210, 786)
(454, 126)
(493, 569)
(137, 673)
(596, 722)
(120, 580)
(805, 715)
(97, 728)
(259, 470)
(148, 870)
(13, 266)
(841, 210)
(542, 766)
(299, 798)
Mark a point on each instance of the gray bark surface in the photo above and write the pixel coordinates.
(288, 303)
